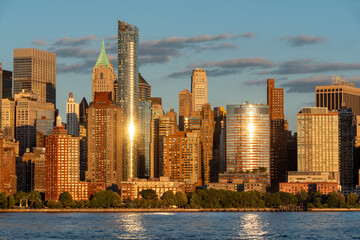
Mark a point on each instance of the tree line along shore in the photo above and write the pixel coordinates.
(206, 199)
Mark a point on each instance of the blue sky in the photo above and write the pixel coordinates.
(240, 43)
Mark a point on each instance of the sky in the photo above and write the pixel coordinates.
(301, 44)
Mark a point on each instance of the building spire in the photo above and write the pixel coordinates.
(103, 59)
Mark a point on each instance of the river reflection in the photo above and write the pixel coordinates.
(131, 226)
(252, 226)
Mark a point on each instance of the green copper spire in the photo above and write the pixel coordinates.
(103, 59)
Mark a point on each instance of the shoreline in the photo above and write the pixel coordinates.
(174, 210)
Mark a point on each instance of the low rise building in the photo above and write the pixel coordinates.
(131, 189)
(322, 187)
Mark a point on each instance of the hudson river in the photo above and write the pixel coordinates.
(204, 225)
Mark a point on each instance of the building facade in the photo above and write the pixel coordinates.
(182, 158)
(8, 118)
(35, 70)
(198, 88)
(278, 154)
(128, 95)
(247, 138)
(72, 116)
(185, 107)
(144, 89)
(103, 141)
(7, 84)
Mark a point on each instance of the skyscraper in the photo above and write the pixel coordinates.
(182, 158)
(198, 88)
(144, 151)
(27, 104)
(185, 107)
(339, 95)
(219, 151)
(103, 77)
(7, 84)
(82, 111)
(207, 128)
(103, 141)
(44, 125)
(35, 70)
(278, 155)
(325, 143)
(62, 165)
(248, 138)
(144, 89)
(128, 95)
(8, 118)
(72, 116)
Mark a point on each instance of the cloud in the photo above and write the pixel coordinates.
(68, 41)
(40, 42)
(301, 66)
(75, 52)
(222, 46)
(305, 85)
(167, 48)
(299, 41)
(256, 82)
(180, 74)
(238, 63)
(82, 67)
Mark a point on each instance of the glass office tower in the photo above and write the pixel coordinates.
(247, 138)
(128, 100)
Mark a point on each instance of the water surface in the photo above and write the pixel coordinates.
(203, 225)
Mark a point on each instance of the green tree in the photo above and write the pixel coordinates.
(335, 200)
(34, 199)
(3, 200)
(351, 199)
(168, 199)
(148, 194)
(66, 199)
(106, 199)
(302, 197)
(20, 195)
(54, 204)
(181, 199)
(272, 200)
(11, 201)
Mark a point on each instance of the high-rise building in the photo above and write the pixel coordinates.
(103, 77)
(207, 129)
(144, 151)
(1, 81)
(278, 155)
(8, 118)
(185, 107)
(8, 178)
(44, 125)
(339, 95)
(82, 111)
(7, 84)
(193, 122)
(318, 140)
(27, 105)
(35, 70)
(62, 165)
(218, 163)
(182, 158)
(325, 143)
(83, 152)
(156, 113)
(144, 89)
(103, 141)
(72, 116)
(248, 138)
(198, 88)
(128, 95)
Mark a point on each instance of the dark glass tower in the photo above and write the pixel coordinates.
(127, 97)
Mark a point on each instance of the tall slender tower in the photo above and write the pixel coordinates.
(185, 107)
(278, 155)
(103, 75)
(128, 91)
(198, 88)
(35, 70)
(72, 116)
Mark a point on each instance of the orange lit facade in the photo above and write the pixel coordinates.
(62, 166)
(8, 178)
(322, 187)
(207, 128)
(198, 88)
(103, 141)
(182, 158)
(131, 189)
(185, 107)
(278, 154)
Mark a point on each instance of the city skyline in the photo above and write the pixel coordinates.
(238, 53)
